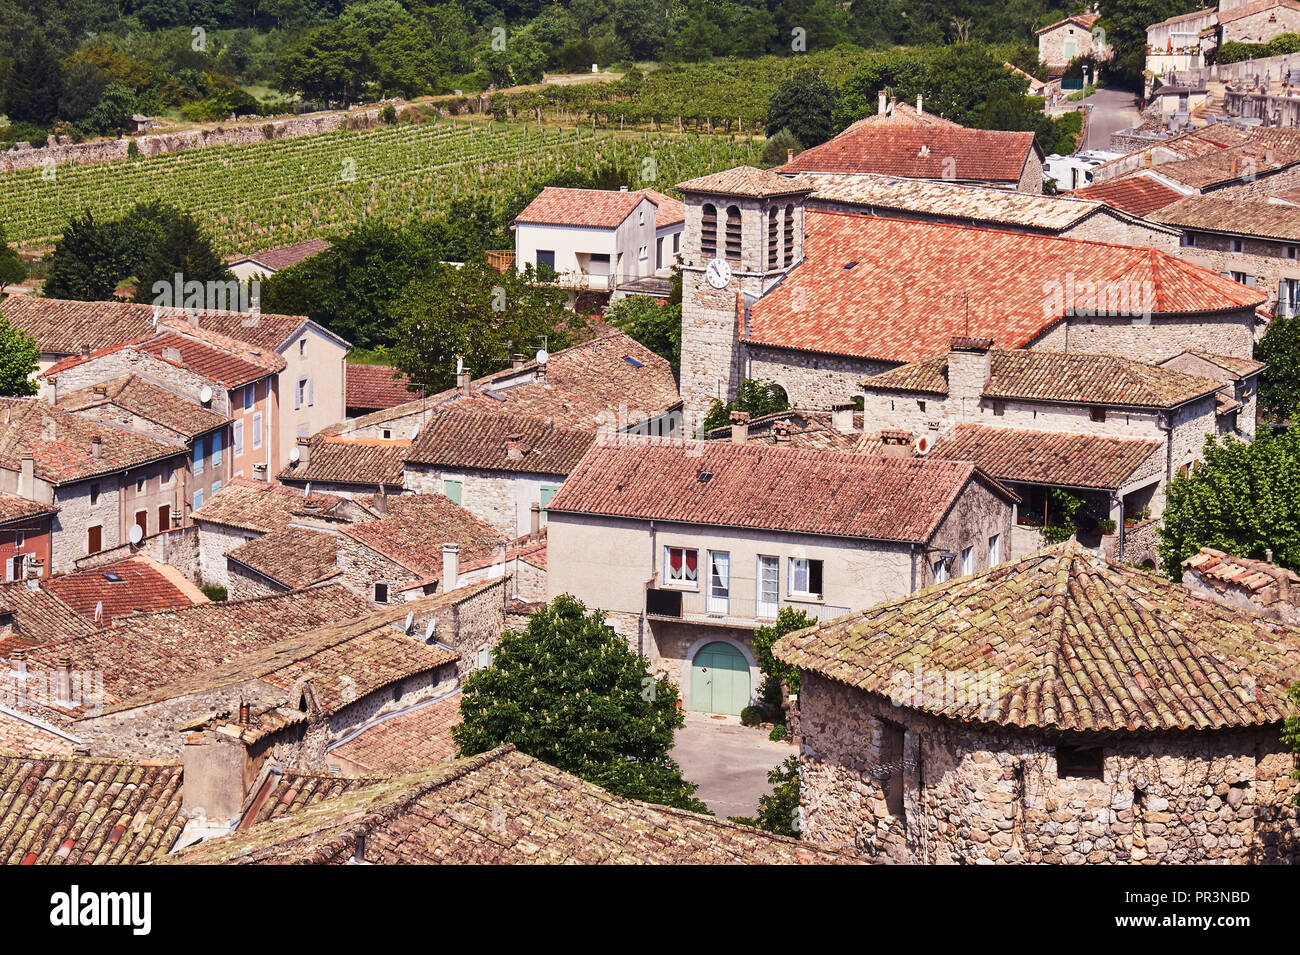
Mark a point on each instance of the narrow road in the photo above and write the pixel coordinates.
(1112, 110)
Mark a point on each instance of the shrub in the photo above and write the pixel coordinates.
(751, 716)
(781, 145)
(388, 114)
(779, 733)
(213, 592)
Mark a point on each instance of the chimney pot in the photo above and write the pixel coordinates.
(517, 361)
(919, 111)
(463, 383)
(245, 712)
(18, 664)
(789, 155)
(101, 391)
(450, 566)
(27, 476)
(535, 518)
(842, 418)
(63, 681)
(739, 427)
(880, 110)
(85, 351)
(515, 446)
(96, 447)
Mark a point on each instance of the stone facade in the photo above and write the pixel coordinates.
(503, 499)
(1259, 263)
(810, 381)
(1262, 26)
(891, 782)
(214, 542)
(1160, 337)
(1060, 45)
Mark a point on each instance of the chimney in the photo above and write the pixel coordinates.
(173, 355)
(622, 188)
(880, 110)
(789, 155)
(515, 446)
(85, 351)
(919, 111)
(517, 361)
(304, 451)
(245, 712)
(450, 566)
(63, 682)
(969, 367)
(96, 447)
(842, 418)
(534, 518)
(462, 383)
(27, 477)
(101, 391)
(18, 665)
(380, 501)
(895, 443)
(219, 773)
(310, 505)
(739, 427)
(35, 568)
(781, 431)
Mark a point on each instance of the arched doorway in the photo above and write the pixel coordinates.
(719, 679)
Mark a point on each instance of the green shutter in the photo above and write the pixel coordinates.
(452, 490)
(548, 492)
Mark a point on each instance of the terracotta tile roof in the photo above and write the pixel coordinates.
(416, 527)
(460, 439)
(921, 152)
(291, 791)
(284, 256)
(1069, 641)
(347, 460)
(1211, 12)
(374, 387)
(292, 556)
(79, 810)
(1069, 377)
(23, 733)
(1085, 20)
(1242, 572)
(588, 386)
(1250, 9)
(950, 200)
(15, 508)
(1267, 220)
(1239, 367)
(596, 208)
(38, 617)
(744, 181)
(61, 444)
(178, 414)
(63, 327)
(1138, 195)
(900, 114)
(258, 506)
(227, 367)
(775, 488)
(412, 742)
(805, 429)
(1231, 164)
(496, 808)
(136, 584)
(147, 651)
(1046, 457)
(896, 290)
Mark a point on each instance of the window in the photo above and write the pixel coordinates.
(733, 233)
(216, 486)
(773, 238)
(302, 430)
(681, 566)
(94, 539)
(893, 739)
(166, 476)
(381, 593)
(237, 437)
(1242, 278)
(999, 408)
(967, 561)
(548, 491)
(257, 430)
(1290, 252)
(94, 494)
(768, 602)
(1081, 762)
(250, 397)
(198, 455)
(920, 404)
(302, 348)
(311, 392)
(995, 550)
(940, 570)
(719, 582)
(217, 444)
(643, 253)
(1288, 297)
(142, 521)
(452, 490)
(805, 577)
(709, 230)
(546, 257)
(387, 434)
(300, 394)
(1188, 240)
(198, 499)
(164, 517)
(483, 659)
(1097, 414)
(1238, 245)
(640, 217)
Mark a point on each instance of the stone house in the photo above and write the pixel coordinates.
(944, 728)
(688, 548)
(1109, 431)
(24, 536)
(103, 481)
(1064, 40)
(1178, 42)
(346, 466)
(868, 293)
(1255, 586)
(262, 265)
(1258, 22)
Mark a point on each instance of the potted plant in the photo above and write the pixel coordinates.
(1106, 526)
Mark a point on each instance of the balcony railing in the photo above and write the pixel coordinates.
(699, 607)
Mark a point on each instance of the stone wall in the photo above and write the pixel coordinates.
(1255, 586)
(810, 381)
(244, 582)
(214, 542)
(1262, 26)
(472, 625)
(178, 547)
(1228, 333)
(1106, 226)
(955, 793)
(503, 499)
(1264, 261)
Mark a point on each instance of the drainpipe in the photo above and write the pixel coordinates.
(1168, 429)
(911, 553)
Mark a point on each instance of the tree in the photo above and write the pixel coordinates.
(329, 63)
(113, 111)
(1244, 498)
(182, 249)
(755, 396)
(570, 692)
(1125, 23)
(780, 147)
(1291, 732)
(35, 84)
(478, 315)
(19, 359)
(656, 325)
(804, 104)
(788, 620)
(88, 262)
(778, 811)
(1279, 385)
(12, 270)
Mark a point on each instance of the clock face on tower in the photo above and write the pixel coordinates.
(718, 273)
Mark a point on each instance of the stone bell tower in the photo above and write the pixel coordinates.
(744, 231)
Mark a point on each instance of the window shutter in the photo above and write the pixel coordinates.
(297, 396)
(311, 391)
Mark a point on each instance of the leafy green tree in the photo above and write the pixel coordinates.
(778, 811)
(329, 63)
(656, 325)
(182, 249)
(1243, 499)
(1291, 732)
(804, 104)
(113, 111)
(780, 146)
(1279, 385)
(12, 270)
(19, 360)
(756, 396)
(35, 84)
(478, 315)
(642, 25)
(788, 620)
(88, 261)
(569, 691)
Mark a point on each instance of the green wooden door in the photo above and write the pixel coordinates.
(719, 680)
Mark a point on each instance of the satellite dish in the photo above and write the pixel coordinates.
(135, 534)
(922, 445)
(410, 620)
(206, 394)
(428, 631)
(294, 455)
(99, 612)
(542, 356)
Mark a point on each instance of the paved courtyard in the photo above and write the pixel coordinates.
(730, 762)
